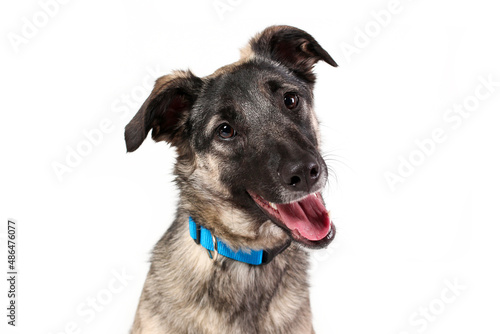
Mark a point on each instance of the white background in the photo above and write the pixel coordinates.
(396, 250)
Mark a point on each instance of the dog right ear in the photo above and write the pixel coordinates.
(165, 111)
(290, 46)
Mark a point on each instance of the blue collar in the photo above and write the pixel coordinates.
(203, 237)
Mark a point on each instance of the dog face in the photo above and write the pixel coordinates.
(247, 138)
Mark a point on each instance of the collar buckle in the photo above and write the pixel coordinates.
(213, 255)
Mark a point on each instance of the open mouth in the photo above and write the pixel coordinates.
(307, 220)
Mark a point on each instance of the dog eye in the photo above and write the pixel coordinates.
(291, 100)
(225, 131)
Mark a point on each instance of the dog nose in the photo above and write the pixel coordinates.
(300, 175)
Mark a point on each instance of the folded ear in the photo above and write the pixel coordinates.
(165, 110)
(291, 47)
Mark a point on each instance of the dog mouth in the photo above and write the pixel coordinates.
(306, 220)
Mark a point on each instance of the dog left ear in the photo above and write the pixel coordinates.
(165, 111)
(292, 47)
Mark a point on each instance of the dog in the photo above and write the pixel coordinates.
(250, 176)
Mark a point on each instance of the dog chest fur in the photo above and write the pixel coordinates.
(185, 292)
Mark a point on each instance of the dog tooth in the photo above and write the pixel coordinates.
(272, 205)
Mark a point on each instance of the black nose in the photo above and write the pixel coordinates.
(300, 175)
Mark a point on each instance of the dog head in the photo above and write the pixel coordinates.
(247, 138)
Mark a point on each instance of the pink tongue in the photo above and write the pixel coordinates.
(308, 216)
